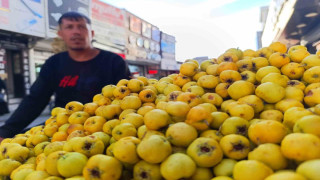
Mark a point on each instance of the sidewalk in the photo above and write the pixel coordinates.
(42, 118)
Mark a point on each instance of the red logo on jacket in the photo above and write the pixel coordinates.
(68, 81)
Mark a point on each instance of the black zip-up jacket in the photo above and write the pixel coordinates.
(70, 81)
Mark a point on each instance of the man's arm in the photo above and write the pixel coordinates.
(32, 105)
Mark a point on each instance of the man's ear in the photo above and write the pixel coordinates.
(59, 33)
(92, 33)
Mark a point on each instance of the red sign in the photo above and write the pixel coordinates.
(153, 72)
(122, 55)
(104, 12)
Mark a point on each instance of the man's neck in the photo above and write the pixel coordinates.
(83, 55)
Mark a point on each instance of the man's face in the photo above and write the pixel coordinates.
(77, 34)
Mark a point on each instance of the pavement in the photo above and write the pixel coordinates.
(12, 107)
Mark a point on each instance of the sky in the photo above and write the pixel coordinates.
(201, 27)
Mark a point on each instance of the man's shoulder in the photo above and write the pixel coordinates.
(109, 55)
(57, 57)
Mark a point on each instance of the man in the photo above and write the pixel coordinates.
(75, 75)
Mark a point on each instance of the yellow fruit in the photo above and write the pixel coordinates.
(89, 145)
(285, 175)
(272, 115)
(245, 64)
(222, 178)
(297, 53)
(213, 134)
(177, 166)
(144, 170)
(278, 47)
(293, 70)
(226, 66)
(301, 147)
(308, 124)
(267, 131)
(312, 98)
(121, 91)
(235, 146)
(143, 79)
(229, 76)
(181, 80)
(212, 98)
(206, 152)
(310, 61)
(312, 75)
(125, 150)
(292, 115)
(227, 57)
(123, 130)
(135, 85)
(297, 84)
(234, 125)
(133, 118)
(276, 78)
(259, 62)
(212, 69)
(204, 64)
(37, 175)
(94, 124)
(224, 168)
(251, 169)
(208, 81)
(188, 69)
(202, 173)
(294, 93)
(265, 71)
(199, 117)
(147, 95)
(51, 162)
(270, 92)
(218, 119)
(278, 59)
(52, 147)
(181, 134)
(249, 53)
(7, 166)
(254, 101)
(198, 75)
(156, 119)
(270, 154)
(286, 104)
(57, 110)
(309, 169)
(102, 167)
(130, 102)
(242, 110)
(154, 149)
(74, 106)
(246, 87)
(78, 117)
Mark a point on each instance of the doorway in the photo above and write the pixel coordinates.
(14, 68)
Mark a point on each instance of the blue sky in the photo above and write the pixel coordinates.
(201, 27)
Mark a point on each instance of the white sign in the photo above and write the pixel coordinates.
(23, 16)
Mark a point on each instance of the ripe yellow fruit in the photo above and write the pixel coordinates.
(284, 175)
(310, 169)
(154, 149)
(301, 146)
(270, 154)
(235, 146)
(202, 173)
(265, 71)
(267, 131)
(278, 47)
(270, 92)
(125, 150)
(156, 119)
(177, 166)
(206, 152)
(102, 167)
(251, 169)
(188, 69)
(143, 170)
(234, 125)
(247, 88)
(181, 134)
(272, 114)
(293, 70)
(308, 124)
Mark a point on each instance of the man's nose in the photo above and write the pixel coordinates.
(76, 30)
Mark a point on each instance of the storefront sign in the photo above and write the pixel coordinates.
(23, 16)
(146, 30)
(155, 34)
(167, 43)
(135, 24)
(57, 7)
(108, 23)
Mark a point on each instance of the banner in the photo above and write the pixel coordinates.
(23, 16)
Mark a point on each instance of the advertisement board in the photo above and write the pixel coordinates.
(108, 23)
(155, 34)
(146, 29)
(167, 43)
(23, 16)
(135, 24)
(57, 7)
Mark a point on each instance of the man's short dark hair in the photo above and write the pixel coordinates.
(72, 15)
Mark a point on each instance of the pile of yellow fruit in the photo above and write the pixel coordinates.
(247, 115)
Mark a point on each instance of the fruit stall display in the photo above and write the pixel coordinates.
(246, 115)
